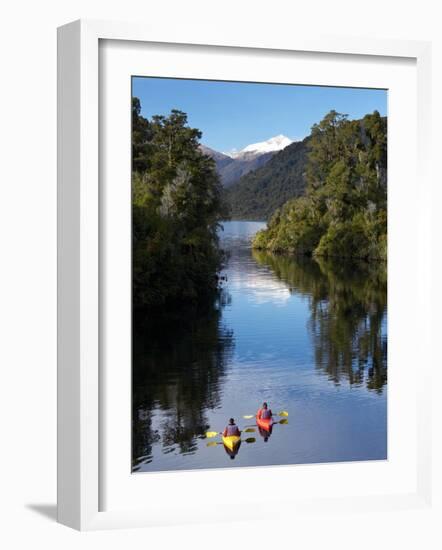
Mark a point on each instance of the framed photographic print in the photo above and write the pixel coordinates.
(234, 229)
(259, 280)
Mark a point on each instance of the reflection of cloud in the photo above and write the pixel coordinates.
(260, 286)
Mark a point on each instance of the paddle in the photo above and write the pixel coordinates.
(215, 443)
(214, 434)
(281, 413)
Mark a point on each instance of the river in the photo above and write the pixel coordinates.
(308, 337)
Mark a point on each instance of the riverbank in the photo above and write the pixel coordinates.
(295, 230)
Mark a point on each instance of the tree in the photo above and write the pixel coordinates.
(176, 210)
(141, 136)
(344, 211)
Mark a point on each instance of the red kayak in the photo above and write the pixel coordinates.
(265, 423)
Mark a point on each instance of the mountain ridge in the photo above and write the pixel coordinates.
(271, 145)
(257, 194)
(231, 167)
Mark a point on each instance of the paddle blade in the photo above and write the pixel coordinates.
(248, 416)
(212, 444)
(250, 440)
(211, 434)
(283, 413)
(283, 421)
(250, 430)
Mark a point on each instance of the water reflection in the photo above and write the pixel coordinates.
(309, 337)
(265, 434)
(233, 451)
(348, 303)
(179, 362)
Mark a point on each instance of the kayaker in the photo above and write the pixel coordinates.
(264, 412)
(231, 429)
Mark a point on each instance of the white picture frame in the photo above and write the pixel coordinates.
(81, 395)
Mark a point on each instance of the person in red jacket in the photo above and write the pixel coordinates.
(264, 412)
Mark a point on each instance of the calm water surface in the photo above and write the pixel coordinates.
(310, 338)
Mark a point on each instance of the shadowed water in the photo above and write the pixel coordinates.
(308, 337)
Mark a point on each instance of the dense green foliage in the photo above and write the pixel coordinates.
(176, 208)
(256, 195)
(344, 210)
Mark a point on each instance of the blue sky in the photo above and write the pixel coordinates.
(232, 115)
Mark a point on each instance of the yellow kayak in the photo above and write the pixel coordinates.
(231, 441)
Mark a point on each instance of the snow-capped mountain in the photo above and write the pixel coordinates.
(235, 164)
(272, 145)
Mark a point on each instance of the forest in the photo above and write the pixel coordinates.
(176, 212)
(336, 178)
(343, 212)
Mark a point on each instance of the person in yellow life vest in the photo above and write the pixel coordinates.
(231, 429)
(264, 412)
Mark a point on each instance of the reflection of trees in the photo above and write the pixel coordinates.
(348, 303)
(179, 362)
